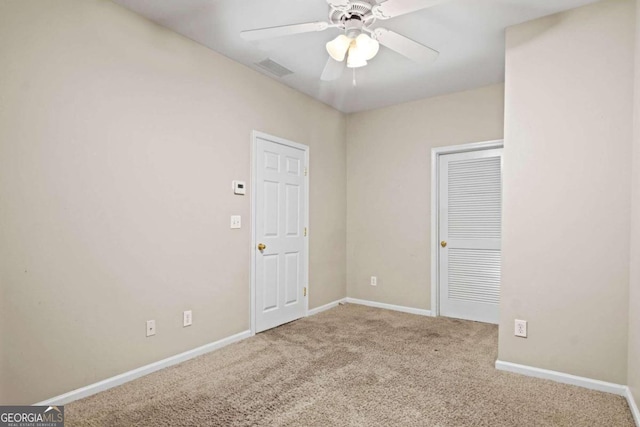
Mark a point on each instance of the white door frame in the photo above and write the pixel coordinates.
(435, 208)
(254, 151)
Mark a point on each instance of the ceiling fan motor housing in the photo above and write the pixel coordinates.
(353, 18)
(353, 27)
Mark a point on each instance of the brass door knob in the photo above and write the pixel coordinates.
(443, 244)
(262, 246)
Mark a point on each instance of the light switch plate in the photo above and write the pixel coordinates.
(236, 221)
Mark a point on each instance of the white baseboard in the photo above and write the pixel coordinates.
(411, 310)
(561, 377)
(325, 307)
(633, 406)
(142, 371)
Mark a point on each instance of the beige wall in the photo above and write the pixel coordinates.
(567, 175)
(118, 144)
(634, 293)
(119, 139)
(389, 186)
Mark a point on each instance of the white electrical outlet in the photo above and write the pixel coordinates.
(521, 328)
(187, 318)
(151, 327)
(236, 221)
(374, 281)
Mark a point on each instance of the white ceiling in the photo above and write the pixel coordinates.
(469, 34)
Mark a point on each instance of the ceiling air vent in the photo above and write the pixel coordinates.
(274, 68)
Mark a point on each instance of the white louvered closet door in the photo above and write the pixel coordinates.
(470, 219)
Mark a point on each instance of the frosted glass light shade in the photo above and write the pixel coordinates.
(338, 47)
(356, 57)
(367, 46)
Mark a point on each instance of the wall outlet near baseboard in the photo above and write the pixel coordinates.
(151, 328)
(187, 318)
(521, 328)
(374, 281)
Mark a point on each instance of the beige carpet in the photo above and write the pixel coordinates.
(351, 366)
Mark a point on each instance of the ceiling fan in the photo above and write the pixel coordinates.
(360, 40)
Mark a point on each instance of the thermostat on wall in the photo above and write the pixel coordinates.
(239, 187)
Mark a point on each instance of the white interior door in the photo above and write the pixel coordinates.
(470, 222)
(280, 257)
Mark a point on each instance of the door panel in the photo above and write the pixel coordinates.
(474, 275)
(270, 280)
(293, 210)
(271, 205)
(471, 225)
(292, 279)
(280, 212)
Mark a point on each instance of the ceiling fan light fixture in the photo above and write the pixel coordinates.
(338, 47)
(367, 46)
(356, 58)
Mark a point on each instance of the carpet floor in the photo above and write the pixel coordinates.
(351, 366)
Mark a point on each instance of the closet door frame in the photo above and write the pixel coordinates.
(435, 208)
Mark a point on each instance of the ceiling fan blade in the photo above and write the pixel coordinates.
(405, 46)
(285, 30)
(339, 4)
(332, 71)
(392, 8)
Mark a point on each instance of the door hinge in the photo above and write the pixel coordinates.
(306, 171)
(305, 291)
(305, 231)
